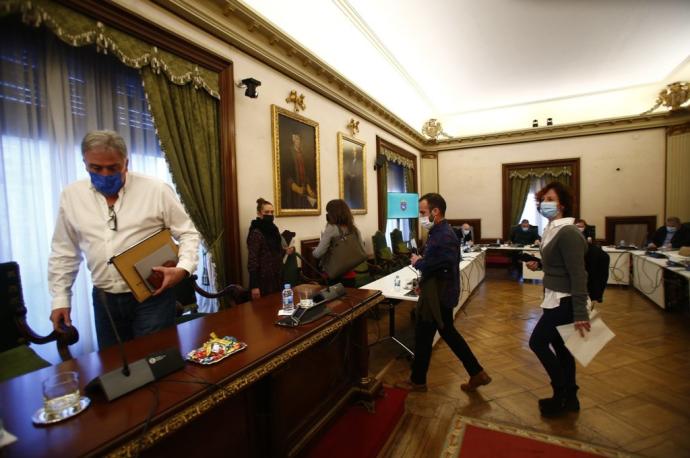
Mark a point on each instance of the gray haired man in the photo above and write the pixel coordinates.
(103, 216)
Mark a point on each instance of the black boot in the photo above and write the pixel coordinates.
(572, 404)
(562, 402)
(555, 405)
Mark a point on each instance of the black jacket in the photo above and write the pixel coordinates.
(680, 238)
(517, 235)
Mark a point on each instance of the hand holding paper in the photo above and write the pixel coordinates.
(585, 348)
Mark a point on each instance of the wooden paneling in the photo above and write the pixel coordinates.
(613, 221)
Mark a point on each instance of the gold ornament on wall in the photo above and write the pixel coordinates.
(672, 96)
(434, 129)
(353, 126)
(297, 100)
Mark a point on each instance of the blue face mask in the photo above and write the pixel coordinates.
(108, 185)
(671, 229)
(548, 209)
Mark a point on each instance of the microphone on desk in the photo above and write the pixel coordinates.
(128, 378)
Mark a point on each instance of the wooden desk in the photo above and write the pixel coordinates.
(275, 396)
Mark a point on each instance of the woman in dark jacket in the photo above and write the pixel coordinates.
(265, 260)
(565, 297)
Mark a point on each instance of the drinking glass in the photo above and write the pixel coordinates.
(60, 392)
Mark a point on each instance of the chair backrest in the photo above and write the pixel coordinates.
(11, 305)
(381, 250)
(397, 242)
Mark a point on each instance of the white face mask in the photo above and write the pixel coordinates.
(426, 224)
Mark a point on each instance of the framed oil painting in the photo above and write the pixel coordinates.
(352, 175)
(296, 184)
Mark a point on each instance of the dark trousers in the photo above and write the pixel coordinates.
(424, 339)
(549, 347)
(132, 319)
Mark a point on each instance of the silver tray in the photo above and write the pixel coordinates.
(41, 418)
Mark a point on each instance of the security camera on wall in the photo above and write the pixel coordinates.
(250, 84)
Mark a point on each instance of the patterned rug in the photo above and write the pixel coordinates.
(473, 438)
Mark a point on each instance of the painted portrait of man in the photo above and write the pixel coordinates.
(353, 182)
(298, 183)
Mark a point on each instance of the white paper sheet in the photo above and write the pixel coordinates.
(584, 349)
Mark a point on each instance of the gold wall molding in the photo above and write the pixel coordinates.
(225, 390)
(598, 127)
(241, 27)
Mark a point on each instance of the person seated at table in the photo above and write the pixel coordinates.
(586, 230)
(465, 234)
(672, 235)
(524, 234)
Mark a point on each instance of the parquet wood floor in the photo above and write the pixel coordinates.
(635, 395)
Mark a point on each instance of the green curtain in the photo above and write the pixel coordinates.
(521, 180)
(519, 191)
(383, 191)
(187, 124)
(411, 186)
(78, 30)
(562, 178)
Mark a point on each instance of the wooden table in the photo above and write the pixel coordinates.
(268, 400)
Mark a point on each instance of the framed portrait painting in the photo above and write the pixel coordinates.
(296, 184)
(352, 174)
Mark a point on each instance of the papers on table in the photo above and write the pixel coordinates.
(584, 349)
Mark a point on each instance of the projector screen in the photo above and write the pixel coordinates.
(403, 205)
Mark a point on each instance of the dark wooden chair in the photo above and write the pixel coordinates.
(16, 357)
(185, 297)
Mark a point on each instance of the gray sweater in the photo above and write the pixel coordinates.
(563, 262)
(328, 235)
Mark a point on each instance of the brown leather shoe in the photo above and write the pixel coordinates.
(409, 386)
(476, 381)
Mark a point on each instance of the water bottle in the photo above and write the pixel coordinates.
(396, 283)
(288, 299)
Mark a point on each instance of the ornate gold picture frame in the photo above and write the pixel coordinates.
(296, 183)
(352, 176)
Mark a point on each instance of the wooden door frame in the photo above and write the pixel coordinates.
(574, 163)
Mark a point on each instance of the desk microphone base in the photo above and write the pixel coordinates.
(115, 384)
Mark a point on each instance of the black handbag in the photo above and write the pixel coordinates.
(345, 254)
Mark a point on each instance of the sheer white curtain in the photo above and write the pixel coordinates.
(50, 96)
(530, 211)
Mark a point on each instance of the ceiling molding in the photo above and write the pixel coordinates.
(603, 126)
(243, 28)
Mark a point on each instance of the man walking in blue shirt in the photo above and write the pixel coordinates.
(439, 294)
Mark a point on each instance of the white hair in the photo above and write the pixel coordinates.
(106, 139)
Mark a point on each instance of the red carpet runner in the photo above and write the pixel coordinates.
(473, 438)
(358, 433)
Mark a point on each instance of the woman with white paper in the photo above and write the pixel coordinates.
(565, 297)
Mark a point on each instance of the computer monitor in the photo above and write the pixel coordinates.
(403, 205)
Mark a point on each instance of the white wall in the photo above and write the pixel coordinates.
(255, 153)
(254, 137)
(470, 179)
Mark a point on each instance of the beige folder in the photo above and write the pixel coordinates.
(147, 249)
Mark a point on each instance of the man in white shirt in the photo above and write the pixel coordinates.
(102, 217)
